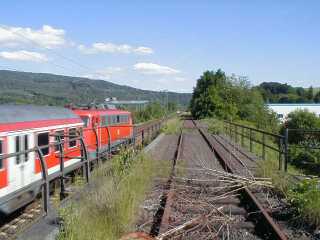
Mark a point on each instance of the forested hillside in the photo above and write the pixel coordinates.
(43, 88)
(274, 92)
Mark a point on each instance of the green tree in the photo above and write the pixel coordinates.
(309, 94)
(316, 98)
(301, 119)
(217, 95)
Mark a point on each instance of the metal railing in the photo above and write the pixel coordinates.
(259, 142)
(141, 134)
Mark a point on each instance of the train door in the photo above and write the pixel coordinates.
(21, 166)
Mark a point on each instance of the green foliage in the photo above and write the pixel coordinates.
(152, 111)
(274, 92)
(305, 197)
(317, 97)
(172, 126)
(301, 119)
(222, 97)
(109, 208)
(306, 158)
(215, 126)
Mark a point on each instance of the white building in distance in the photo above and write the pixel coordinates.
(283, 109)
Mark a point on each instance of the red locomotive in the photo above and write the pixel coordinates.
(27, 127)
(108, 128)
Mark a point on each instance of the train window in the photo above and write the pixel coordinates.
(72, 135)
(125, 119)
(1, 152)
(26, 147)
(58, 134)
(17, 149)
(118, 118)
(86, 121)
(104, 121)
(43, 140)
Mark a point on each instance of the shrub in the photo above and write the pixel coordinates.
(305, 197)
(301, 119)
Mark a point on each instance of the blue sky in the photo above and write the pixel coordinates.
(163, 44)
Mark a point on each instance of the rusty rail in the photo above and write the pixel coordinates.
(278, 233)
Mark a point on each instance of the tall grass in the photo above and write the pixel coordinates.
(109, 207)
(172, 126)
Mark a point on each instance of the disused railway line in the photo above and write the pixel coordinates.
(213, 199)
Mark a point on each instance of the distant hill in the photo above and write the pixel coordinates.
(50, 89)
(274, 92)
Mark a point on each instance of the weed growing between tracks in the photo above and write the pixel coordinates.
(109, 208)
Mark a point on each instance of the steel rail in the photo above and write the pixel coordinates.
(277, 231)
(161, 221)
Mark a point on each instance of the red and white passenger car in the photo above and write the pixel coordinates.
(23, 128)
(26, 127)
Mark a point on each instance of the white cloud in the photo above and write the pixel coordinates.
(24, 56)
(46, 37)
(152, 68)
(105, 74)
(114, 48)
(143, 50)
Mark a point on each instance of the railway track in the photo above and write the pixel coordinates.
(20, 221)
(13, 225)
(216, 196)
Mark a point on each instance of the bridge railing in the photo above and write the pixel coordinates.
(263, 144)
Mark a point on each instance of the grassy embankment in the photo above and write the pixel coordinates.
(109, 207)
(304, 196)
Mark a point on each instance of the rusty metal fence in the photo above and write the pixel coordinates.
(262, 143)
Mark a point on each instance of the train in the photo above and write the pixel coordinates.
(52, 131)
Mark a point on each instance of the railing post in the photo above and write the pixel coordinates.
(142, 137)
(97, 144)
(109, 143)
(263, 146)
(45, 184)
(85, 160)
(61, 158)
(286, 149)
(280, 147)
